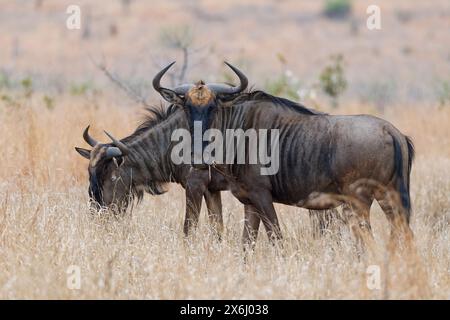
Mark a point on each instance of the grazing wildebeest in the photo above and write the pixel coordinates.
(119, 174)
(198, 101)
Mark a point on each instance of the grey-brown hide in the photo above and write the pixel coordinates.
(143, 165)
(319, 154)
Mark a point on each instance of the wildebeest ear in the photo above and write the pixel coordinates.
(170, 96)
(85, 153)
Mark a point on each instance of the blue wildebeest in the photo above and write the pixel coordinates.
(318, 154)
(352, 159)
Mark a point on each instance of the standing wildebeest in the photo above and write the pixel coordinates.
(318, 154)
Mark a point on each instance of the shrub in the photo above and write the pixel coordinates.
(80, 89)
(10, 101)
(49, 102)
(443, 93)
(337, 9)
(285, 85)
(332, 79)
(4, 80)
(27, 86)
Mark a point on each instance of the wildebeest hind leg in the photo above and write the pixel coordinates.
(397, 222)
(322, 221)
(358, 215)
(262, 202)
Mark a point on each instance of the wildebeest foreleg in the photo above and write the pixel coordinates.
(195, 189)
(251, 226)
(214, 205)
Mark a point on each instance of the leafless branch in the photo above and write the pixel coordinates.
(114, 79)
(179, 38)
(185, 64)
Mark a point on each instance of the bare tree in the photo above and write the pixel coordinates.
(179, 38)
(132, 94)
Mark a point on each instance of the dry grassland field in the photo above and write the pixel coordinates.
(51, 88)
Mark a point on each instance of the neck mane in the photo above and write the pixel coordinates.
(150, 147)
(283, 103)
(258, 109)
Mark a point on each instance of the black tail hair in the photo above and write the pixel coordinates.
(402, 181)
(411, 155)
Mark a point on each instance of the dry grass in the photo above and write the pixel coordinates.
(45, 225)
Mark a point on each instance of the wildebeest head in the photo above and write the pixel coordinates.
(200, 94)
(110, 178)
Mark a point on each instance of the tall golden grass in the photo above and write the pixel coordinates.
(45, 225)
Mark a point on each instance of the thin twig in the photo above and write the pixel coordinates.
(113, 78)
(185, 64)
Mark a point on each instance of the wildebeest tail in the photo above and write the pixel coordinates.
(411, 154)
(403, 171)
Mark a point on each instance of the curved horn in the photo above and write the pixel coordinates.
(157, 78)
(122, 147)
(90, 141)
(112, 152)
(220, 88)
(183, 89)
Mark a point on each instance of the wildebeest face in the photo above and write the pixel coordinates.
(109, 184)
(110, 179)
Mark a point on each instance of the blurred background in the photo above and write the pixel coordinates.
(319, 52)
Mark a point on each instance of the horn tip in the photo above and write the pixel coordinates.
(169, 65)
(106, 132)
